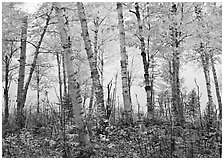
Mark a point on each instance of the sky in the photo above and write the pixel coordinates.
(189, 73)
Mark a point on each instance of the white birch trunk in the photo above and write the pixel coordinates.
(73, 84)
(98, 88)
(124, 65)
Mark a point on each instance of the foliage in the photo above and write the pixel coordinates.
(52, 132)
(136, 141)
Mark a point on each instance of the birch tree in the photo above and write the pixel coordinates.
(22, 89)
(204, 59)
(216, 86)
(10, 49)
(175, 34)
(98, 88)
(124, 64)
(74, 85)
(150, 109)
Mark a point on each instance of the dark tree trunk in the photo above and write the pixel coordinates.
(6, 90)
(150, 109)
(38, 88)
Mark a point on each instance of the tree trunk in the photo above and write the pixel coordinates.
(124, 64)
(205, 64)
(6, 90)
(138, 106)
(60, 83)
(7, 61)
(176, 100)
(98, 88)
(216, 87)
(64, 75)
(21, 99)
(74, 86)
(150, 109)
(20, 90)
(90, 109)
(38, 88)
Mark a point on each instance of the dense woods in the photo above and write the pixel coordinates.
(107, 80)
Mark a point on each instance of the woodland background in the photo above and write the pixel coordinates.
(112, 79)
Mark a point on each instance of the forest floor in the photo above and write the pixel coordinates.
(157, 141)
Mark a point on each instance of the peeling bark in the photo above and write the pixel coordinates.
(74, 86)
(124, 63)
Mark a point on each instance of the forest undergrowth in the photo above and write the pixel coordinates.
(140, 140)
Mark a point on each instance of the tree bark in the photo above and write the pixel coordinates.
(124, 64)
(64, 75)
(20, 90)
(74, 86)
(7, 61)
(6, 90)
(216, 87)
(176, 100)
(59, 83)
(150, 109)
(38, 88)
(98, 88)
(205, 63)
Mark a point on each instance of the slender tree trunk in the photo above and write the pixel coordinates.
(101, 69)
(216, 87)
(91, 102)
(124, 64)
(138, 106)
(114, 100)
(20, 90)
(59, 83)
(176, 100)
(6, 90)
(150, 109)
(199, 106)
(7, 61)
(205, 64)
(98, 88)
(34, 62)
(38, 88)
(64, 75)
(21, 97)
(74, 86)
